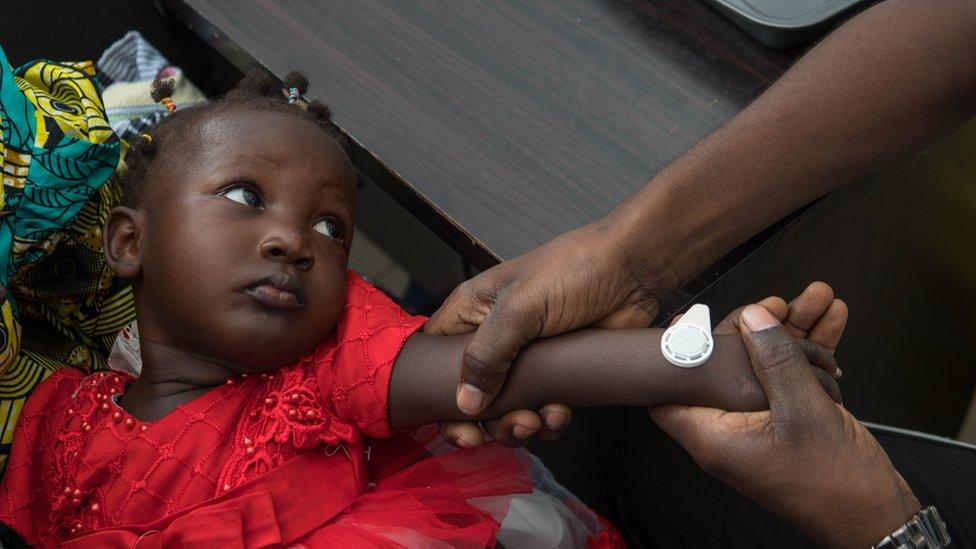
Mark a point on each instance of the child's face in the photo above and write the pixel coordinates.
(246, 239)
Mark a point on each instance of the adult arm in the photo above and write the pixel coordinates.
(807, 459)
(885, 84)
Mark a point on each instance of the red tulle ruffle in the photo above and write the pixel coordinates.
(456, 499)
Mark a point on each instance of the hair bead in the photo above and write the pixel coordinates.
(297, 84)
(257, 90)
(162, 92)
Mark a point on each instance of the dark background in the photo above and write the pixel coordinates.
(70, 31)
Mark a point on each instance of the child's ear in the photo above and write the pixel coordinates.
(122, 241)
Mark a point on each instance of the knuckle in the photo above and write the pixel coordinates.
(482, 289)
(751, 396)
(478, 367)
(449, 432)
(815, 352)
(776, 354)
(467, 292)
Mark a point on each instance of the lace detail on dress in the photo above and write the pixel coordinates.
(288, 417)
(75, 509)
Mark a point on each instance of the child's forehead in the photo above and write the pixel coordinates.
(270, 137)
(253, 127)
(256, 145)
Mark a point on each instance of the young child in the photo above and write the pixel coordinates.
(267, 366)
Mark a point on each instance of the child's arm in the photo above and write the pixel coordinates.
(584, 368)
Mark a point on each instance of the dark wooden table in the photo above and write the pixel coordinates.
(503, 124)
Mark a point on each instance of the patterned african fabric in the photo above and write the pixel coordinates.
(62, 306)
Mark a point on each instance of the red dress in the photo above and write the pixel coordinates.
(264, 460)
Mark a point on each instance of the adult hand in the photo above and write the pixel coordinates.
(579, 279)
(807, 459)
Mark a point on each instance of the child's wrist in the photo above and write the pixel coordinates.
(724, 381)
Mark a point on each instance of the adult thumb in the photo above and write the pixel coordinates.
(780, 364)
(489, 354)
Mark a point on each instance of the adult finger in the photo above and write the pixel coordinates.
(820, 356)
(830, 328)
(463, 434)
(556, 419)
(730, 324)
(511, 323)
(515, 429)
(829, 384)
(464, 310)
(807, 308)
(780, 366)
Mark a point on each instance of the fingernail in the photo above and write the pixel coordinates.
(470, 399)
(837, 373)
(460, 443)
(757, 318)
(522, 432)
(556, 420)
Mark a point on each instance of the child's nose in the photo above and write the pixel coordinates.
(288, 247)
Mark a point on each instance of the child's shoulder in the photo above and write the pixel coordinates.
(353, 365)
(65, 385)
(370, 319)
(368, 309)
(359, 293)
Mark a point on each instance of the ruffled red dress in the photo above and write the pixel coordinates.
(265, 460)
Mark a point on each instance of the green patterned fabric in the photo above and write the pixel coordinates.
(57, 151)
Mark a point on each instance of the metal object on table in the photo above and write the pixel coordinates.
(782, 24)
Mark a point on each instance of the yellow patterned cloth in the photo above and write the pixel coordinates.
(62, 305)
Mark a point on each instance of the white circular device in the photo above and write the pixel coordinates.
(689, 342)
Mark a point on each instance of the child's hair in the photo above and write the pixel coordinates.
(258, 90)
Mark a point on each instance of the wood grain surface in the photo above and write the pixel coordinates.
(503, 124)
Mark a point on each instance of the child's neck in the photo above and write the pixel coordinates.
(170, 377)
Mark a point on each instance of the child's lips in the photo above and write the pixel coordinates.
(280, 291)
(274, 297)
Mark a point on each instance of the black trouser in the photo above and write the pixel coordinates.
(675, 504)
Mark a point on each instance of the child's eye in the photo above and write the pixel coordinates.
(243, 195)
(330, 227)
